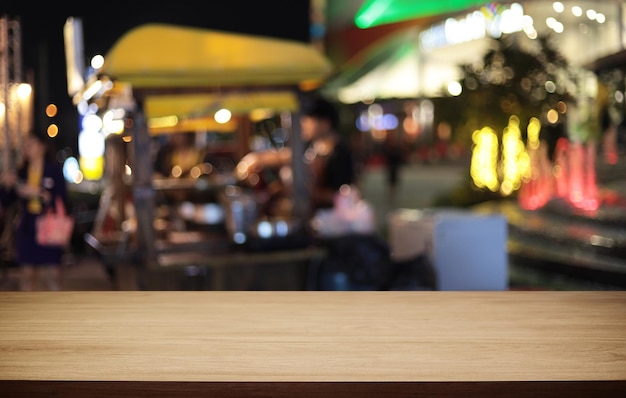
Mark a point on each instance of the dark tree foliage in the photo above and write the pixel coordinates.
(516, 77)
(513, 78)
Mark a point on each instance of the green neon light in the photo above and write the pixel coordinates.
(379, 12)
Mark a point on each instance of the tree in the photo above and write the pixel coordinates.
(522, 77)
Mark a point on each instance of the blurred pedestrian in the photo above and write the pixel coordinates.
(328, 153)
(393, 153)
(35, 185)
(178, 156)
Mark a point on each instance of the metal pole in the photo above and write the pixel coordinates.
(4, 82)
(301, 194)
(143, 192)
(15, 43)
(10, 73)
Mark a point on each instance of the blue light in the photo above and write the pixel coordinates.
(70, 168)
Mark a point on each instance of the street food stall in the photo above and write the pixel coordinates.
(169, 80)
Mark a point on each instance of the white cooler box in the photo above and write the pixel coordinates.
(468, 251)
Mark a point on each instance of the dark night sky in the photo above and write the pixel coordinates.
(104, 22)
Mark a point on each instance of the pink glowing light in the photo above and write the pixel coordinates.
(539, 188)
(573, 177)
(576, 172)
(609, 146)
(583, 188)
(561, 169)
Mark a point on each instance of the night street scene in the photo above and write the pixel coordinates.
(313, 198)
(508, 120)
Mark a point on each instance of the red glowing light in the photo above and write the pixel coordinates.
(573, 177)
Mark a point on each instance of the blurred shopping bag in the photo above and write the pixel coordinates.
(55, 226)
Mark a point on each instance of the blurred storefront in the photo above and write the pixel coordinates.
(419, 61)
(155, 85)
(419, 58)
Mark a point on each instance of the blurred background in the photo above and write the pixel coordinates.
(508, 109)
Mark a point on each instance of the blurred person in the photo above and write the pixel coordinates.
(178, 156)
(328, 155)
(361, 151)
(35, 186)
(394, 159)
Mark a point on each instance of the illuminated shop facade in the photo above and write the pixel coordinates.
(400, 93)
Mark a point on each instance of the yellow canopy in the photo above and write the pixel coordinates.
(187, 74)
(197, 105)
(194, 112)
(167, 56)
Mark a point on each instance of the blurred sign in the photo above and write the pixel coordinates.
(380, 12)
(74, 55)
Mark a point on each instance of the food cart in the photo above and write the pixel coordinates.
(159, 72)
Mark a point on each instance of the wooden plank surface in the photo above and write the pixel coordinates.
(402, 338)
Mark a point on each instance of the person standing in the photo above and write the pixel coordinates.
(327, 156)
(35, 185)
(178, 156)
(394, 158)
(328, 153)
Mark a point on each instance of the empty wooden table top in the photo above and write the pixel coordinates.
(510, 343)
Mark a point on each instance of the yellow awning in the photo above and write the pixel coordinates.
(189, 73)
(202, 124)
(195, 105)
(194, 112)
(167, 56)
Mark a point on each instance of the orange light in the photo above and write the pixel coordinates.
(53, 130)
(51, 110)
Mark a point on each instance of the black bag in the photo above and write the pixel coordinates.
(416, 273)
(363, 259)
(363, 262)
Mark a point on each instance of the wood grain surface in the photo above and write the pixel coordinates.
(277, 343)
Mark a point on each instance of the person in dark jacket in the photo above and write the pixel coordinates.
(394, 159)
(328, 153)
(35, 186)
